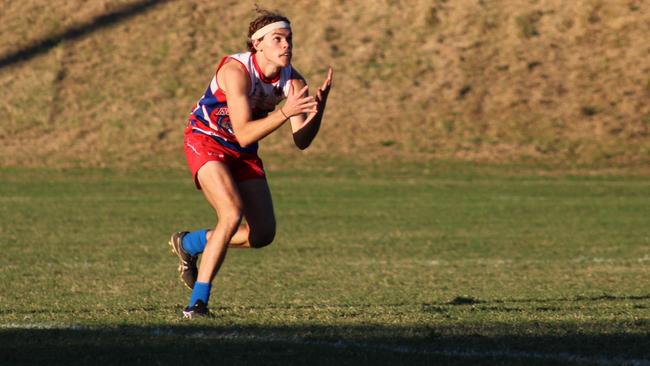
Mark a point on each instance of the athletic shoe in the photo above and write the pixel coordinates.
(187, 263)
(199, 310)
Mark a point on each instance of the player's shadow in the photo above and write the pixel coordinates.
(208, 342)
(45, 44)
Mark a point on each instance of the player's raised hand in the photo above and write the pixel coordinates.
(324, 90)
(298, 103)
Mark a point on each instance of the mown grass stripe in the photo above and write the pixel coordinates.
(344, 344)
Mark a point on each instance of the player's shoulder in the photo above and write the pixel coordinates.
(295, 74)
(232, 76)
(233, 69)
(296, 78)
(231, 64)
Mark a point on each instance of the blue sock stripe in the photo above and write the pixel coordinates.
(194, 242)
(201, 292)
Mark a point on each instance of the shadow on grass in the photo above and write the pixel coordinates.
(203, 343)
(43, 45)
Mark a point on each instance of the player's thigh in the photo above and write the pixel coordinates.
(258, 210)
(220, 189)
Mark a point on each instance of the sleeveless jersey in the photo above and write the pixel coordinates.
(210, 115)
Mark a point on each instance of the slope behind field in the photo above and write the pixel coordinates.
(470, 80)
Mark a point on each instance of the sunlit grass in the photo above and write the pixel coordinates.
(455, 260)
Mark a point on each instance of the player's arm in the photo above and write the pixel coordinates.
(248, 131)
(305, 126)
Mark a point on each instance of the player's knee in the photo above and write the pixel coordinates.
(263, 238)
(231, 219)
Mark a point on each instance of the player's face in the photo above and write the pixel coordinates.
(277, 46)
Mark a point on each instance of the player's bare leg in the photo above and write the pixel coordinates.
(257, 232)
(222, 193)
(259, 229)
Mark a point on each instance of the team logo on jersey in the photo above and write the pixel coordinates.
(222, 111)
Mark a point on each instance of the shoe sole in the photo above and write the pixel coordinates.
(178, 255)
(191, 315)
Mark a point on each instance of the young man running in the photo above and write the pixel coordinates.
(236, 111)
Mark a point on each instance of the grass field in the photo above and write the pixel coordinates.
(439, 264)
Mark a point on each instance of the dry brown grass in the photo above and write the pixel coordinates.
(480, 80)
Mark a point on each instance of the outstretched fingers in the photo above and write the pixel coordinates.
(328, 81)
(300, 93)
(324, 89)
(299, 102)
(308, 105)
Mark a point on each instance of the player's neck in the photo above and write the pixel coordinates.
(266, 67)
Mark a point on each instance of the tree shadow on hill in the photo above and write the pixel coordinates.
(43, 45)
(204, 342)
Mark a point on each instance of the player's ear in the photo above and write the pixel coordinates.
(257, 44)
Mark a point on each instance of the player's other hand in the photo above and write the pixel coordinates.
(324, 90)
(299, 102)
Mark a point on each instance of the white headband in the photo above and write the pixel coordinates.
(268, 28)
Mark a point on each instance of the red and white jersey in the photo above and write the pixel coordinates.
(210, 115)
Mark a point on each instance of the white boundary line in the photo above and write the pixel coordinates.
(275, 338)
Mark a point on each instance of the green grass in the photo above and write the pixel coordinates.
(448, 264)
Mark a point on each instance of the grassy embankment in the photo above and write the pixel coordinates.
(499, 81)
